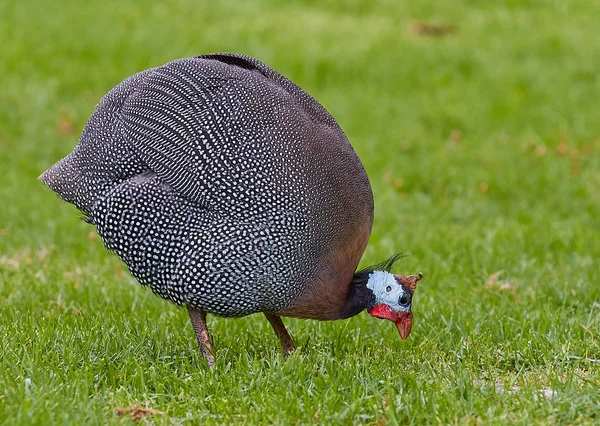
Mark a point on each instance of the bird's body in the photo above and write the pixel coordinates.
(225, 187)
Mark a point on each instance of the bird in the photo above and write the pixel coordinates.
(226, 188)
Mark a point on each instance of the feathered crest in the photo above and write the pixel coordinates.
(386, 265)
(362, 276)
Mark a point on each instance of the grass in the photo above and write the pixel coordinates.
(483, 149)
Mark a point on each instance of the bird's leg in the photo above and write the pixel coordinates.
(287, 343)
(198, 319)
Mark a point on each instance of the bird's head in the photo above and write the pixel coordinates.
(392, 298)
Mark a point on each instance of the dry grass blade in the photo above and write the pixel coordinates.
(433, 30)
(137, 413)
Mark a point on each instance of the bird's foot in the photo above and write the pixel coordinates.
(210, 358)
(288, 347)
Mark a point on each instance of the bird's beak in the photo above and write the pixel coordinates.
(403, 320)
(404, 324)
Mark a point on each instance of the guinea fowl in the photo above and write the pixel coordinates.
(226, 188)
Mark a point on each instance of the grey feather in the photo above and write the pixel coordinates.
(220, 183)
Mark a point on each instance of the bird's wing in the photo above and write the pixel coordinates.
(175, 120)
(187, 116)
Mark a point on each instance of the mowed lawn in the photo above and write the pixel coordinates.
(479, 126)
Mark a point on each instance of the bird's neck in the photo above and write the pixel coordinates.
(359, 297)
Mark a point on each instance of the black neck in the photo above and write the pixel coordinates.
(359, 296)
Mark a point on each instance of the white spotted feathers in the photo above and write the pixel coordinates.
(221, 184)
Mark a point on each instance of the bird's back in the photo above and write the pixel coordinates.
(221, 185)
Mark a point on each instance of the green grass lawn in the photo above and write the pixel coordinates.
(483, 149)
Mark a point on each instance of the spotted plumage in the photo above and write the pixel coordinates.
(225, 187)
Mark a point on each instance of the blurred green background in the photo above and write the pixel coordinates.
(479, 126)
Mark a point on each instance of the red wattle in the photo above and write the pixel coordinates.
(383, 311)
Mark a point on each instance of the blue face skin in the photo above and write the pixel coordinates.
(388, 291)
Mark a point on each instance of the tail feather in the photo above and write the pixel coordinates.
(102, 158)
(62, 178)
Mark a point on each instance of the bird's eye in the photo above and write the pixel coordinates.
(403, 300)
(388, 289)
